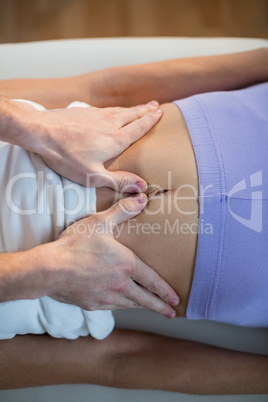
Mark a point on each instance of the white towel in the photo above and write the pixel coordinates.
(36, 206)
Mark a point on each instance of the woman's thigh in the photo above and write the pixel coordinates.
(164, 235)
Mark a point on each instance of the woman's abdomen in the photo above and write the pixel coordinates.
(164, 234)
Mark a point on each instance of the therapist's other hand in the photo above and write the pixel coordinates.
(96, 272)
(77, 142)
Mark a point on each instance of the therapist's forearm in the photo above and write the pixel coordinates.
(25, 274)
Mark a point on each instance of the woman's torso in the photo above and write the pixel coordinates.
(164, 235)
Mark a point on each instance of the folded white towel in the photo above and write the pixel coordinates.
(36, 206)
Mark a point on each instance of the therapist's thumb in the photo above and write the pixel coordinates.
(126, 208)
(126, 182)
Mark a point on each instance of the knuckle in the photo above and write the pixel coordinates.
(157, 306)
(139, 112)
(127, 271)
(109, 117)
(120, 287)
(122, 140)
(115, 133)
(127, 259)
(143, 122)
(109, 300)
(128, 206)
(123, 184)
(150, 119)
(124, 204)
(130, 269)
(154, 287)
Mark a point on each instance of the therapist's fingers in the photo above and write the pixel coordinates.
(132, 132)
(125, 182)
(120, 181)
(138, 297)
(128, 115)
(124, 209)
(150, 280)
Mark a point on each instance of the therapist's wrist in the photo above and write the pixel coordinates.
(26, 274)
(20, 124)
(31, 132)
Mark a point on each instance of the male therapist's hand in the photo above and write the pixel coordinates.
(77, 142)
(94, 271)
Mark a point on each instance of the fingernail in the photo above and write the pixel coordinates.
(174, 302)
(140, 197)
(141, 186)
(157, 111)
(153, 103)
(171, 314)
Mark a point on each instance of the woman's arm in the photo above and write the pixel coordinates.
(131, 85)
(52, 93)
(131, 359)
(177, 79)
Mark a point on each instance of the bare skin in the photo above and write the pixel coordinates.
(129, 359)
(131, 85)
(165, 159)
